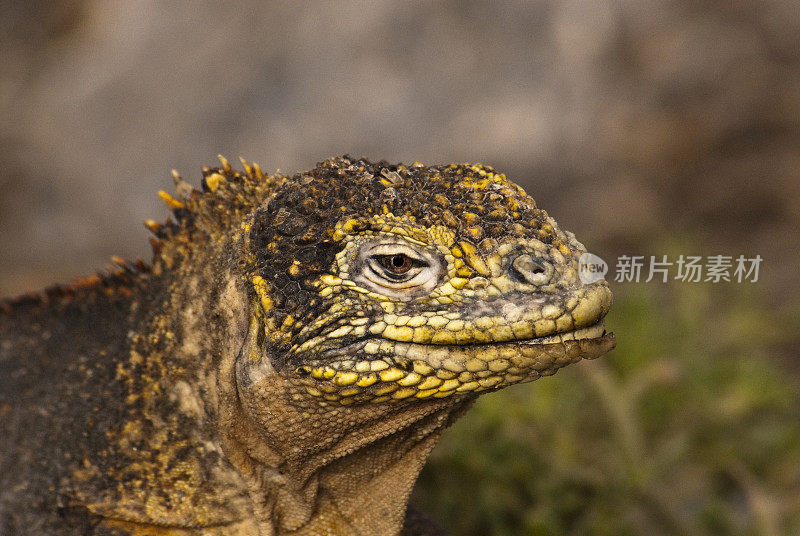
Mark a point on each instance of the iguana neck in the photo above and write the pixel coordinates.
(326, 471)
(363, 492)
(367, 492)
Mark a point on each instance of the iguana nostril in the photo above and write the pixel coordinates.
(529, 268)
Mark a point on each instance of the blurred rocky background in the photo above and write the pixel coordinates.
(647, 127)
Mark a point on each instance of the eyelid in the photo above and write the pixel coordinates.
(380, 250)
(415, 261)
(389, 248)
(390, 281)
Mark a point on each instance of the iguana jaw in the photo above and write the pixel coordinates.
(483, 346)
(380, 370)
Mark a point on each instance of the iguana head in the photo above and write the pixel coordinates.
(376, 283)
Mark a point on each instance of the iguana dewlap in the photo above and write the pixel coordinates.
(291, 357)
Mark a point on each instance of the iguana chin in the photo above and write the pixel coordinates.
(291, 357)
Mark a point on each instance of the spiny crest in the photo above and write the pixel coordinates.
(116, 281)
(225, 197)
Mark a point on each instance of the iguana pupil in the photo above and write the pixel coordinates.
(398, 264)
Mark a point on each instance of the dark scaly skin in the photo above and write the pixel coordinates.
(276, 371)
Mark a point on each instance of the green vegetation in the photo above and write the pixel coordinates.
(691, 426)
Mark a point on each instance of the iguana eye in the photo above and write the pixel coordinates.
(397, 264)
(398, 268)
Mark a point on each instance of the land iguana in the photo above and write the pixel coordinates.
(289, 359)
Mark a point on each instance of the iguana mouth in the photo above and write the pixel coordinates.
(379, 370)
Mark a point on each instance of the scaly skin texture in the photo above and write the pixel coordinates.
(290, 359)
